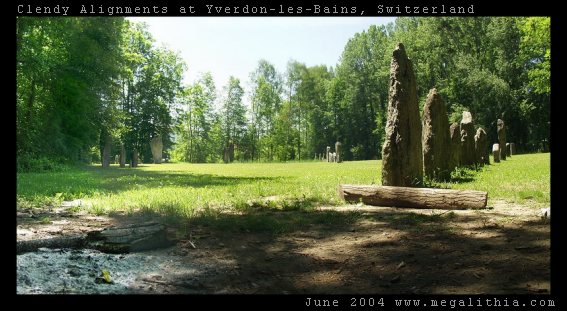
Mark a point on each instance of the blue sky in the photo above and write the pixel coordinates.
(228, 46)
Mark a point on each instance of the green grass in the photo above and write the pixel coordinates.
(521, 179)
(180, 189)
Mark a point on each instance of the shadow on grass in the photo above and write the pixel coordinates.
(91, 180)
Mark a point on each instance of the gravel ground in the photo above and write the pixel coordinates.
(59, 271)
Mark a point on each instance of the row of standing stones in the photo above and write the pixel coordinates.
(330, 156)
(429, 147)
(156, 145)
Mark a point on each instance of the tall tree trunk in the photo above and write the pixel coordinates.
(190, 137)
(106, 151)
(299, 131)
(134, 159)
(122, 158)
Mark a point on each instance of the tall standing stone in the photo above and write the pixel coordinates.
(156, 145)
(436, 138)
(402, 160)
(338, 150)
(501, 130)
(468, 156)
(328, 154)
(481, 147)
(455, 150)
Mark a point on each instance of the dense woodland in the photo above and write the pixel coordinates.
(83, 83)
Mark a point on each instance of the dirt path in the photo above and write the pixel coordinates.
(502, 250)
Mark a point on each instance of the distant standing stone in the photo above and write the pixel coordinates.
(508, 152)
(156, 145)
(481, 147)
(501, 130)
(122, 157)
(338, 150)
(436, 138)
(402, 160)
(455, 150)
(496, 153)
(468, 156)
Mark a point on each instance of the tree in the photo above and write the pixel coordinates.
(266, 104)
(67, 71)
(150, 83)
(195, 121)
(233, 116)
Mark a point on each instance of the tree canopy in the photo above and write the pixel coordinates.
(85, 82)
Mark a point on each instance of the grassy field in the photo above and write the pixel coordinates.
(180, 189)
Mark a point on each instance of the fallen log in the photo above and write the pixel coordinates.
(131, 238)
(75, 241)
(414, 197)
(123, 239)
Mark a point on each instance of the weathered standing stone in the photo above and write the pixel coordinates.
(496, 153)
(106, 151)
(122, 157)
(328, 154)
(338, 150)
(512, 148)
(402, 160)
(501, 130)
(481, 147)
(436, 138)
(508, 152)
(156, 145)
(455, 150)
(468, 156)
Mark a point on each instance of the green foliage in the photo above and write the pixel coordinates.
(30, 163)
(195, 122)
(233, 120)
(75, 86)
(83, 81)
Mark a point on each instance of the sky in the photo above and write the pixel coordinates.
(228, 46)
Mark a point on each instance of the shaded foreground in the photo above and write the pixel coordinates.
(345, 249)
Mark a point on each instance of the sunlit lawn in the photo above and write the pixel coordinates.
(181, 188)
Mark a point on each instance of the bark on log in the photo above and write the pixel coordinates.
(56, 242)
(125, 239)
(414, 197)
(132, 238)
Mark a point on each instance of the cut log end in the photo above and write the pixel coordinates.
(414, 197)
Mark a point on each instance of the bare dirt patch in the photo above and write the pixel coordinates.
(502, 250)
